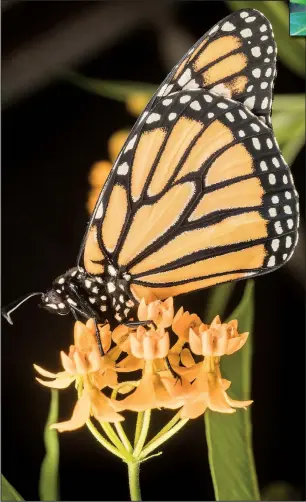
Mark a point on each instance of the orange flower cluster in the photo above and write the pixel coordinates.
(189, 385)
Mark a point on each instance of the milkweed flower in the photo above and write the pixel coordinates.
(169, 377)
(209, 388)
(90, 372)
(217, 339)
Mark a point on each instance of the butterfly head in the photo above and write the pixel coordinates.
(55, 302)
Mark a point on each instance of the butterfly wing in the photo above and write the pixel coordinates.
(236, 58)
(201, 196)
(200, 193)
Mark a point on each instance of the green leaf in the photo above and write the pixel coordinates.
(120, 91)
(229, 437)
(7, 491)
(49, 477)
(217, 301)
(290, 50)
(298, 24)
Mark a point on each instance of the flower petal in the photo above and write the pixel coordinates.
(237, 404)
(68, 363)
(236, 343)
(163, 345)
(43, 372)
(58, 383)
(195, 342)
(143, 398)
(102, 408)
(194, 408)
(79, 416)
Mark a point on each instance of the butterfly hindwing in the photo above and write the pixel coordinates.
(217, 205)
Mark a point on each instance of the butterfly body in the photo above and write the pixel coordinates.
(200, 193)
(90, 296)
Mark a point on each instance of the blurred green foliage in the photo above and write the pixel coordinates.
(298, 24)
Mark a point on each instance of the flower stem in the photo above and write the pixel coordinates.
(143, 433)
(124, 439)
(104, 441)
(109, 431)
(162, 439)
(166, 428)
(133, 471)
(138, 426)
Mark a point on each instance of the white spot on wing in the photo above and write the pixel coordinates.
(215, 28)
(222, 105)
(275, 162)
(195, 105)
(256, 51)
(221, 90)
(272, 212)
(123, 169)
(185, 99)
(130, 144)
(263, 166)
(272, 179)
(278, 227)
(264, 103)
(249, 102)
(256, 143)
(154, 117)
(256, 73)
(184, 78)
(246, 33)
(191, 85)
(228, 26)
(275, 244)
(271, 261)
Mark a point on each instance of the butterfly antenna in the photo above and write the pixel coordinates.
(6, 311)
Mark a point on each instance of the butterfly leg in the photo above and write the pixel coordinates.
(132, 324)
(173, 373)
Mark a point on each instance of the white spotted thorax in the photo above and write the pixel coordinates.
(91, 296)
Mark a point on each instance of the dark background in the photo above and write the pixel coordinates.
(52, 132)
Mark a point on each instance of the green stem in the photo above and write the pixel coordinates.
(109, 431)
(162, 439)
(124, 439)
(138, 427)
(166, 428)
(104, 441)
(133, 471)
(143, 434)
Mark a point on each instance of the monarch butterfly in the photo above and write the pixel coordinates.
(200, 193)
